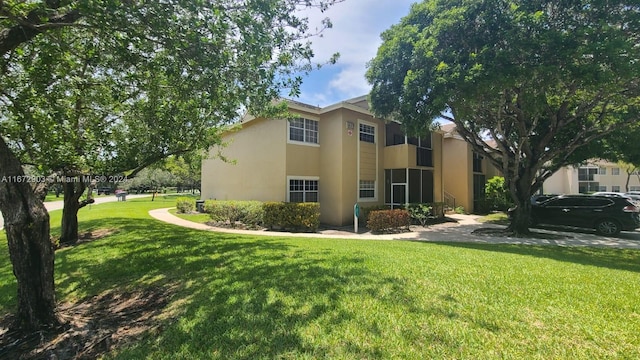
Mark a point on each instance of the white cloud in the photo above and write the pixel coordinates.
(357, 25)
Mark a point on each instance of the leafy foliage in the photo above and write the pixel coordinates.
(420, 213)
(496, 194)
(292, 216)
(389, 220)
(540, 78)
(185, 205)
(249, 213)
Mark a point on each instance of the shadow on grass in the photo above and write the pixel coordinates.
(238, 297)
(616, 259)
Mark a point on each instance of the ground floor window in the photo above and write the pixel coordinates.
(303, 190)
(367, 189)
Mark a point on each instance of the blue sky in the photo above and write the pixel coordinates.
(357, 25)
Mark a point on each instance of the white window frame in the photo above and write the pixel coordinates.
(615, 188)
(615, 171)
(602, 188)
(602, 170)
(634, 188)
(304, 132)
(367, 188)
(304, 178)
(375, 139)
(366, 125)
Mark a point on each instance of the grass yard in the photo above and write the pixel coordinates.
(251, 297)
(197, 218)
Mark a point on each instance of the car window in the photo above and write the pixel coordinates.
(565, 202)
(597, 202)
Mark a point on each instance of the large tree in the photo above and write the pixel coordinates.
(539, 78)
(176, 62)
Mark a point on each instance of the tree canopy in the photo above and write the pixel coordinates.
(540, 79)
(104, 85)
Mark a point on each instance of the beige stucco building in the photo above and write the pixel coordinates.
(466, 171)
(594, 176)
(337, 155)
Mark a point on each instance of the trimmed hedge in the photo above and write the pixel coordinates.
(366, 210)
(388, 220)
(249, 213)
(292, 216)
(185, 205)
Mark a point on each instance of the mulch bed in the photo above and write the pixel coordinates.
(92, 327)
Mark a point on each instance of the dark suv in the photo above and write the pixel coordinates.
(607, 215)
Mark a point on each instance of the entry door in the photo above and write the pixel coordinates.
(398, 195)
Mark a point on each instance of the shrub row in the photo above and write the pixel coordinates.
(185, 205)
(250, 213)
(292, 216)
(388, 220)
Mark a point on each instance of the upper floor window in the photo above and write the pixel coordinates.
(367, 133)
(423, 142)
(615, 171)
(602, 171)
(303, 130)
(586, 174)
(477, 162)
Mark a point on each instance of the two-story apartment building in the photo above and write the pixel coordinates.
(337, 155)
(594, 176)
(466, 172)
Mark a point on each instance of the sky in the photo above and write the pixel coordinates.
(357, 25)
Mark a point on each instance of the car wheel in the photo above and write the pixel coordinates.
(607, 227)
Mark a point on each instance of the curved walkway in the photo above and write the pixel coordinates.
(59, 204)
(446, 232)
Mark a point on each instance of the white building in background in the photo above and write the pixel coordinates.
(595, 176)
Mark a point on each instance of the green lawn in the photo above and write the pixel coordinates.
(498, 218)
(251, 297)
(197, 218)
(53, 197)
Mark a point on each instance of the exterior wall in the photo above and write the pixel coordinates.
(566, 180)
(331, 160)
(259, 152)
(561, 182)
(458, 172)
(265, 160)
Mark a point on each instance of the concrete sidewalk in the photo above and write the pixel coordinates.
(445, 232)
(57, 205)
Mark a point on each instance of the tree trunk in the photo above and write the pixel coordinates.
(521, 190)
(69, 230)
(30, 248)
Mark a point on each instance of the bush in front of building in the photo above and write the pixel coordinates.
(420, 213)
(496, 195)
(185, 205)
(366, 210)
(292, 216)
(249, 213)
(389, 220)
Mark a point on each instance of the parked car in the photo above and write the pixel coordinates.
(540, 198)
(634, 197)
(608, 215)
(610, 193)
